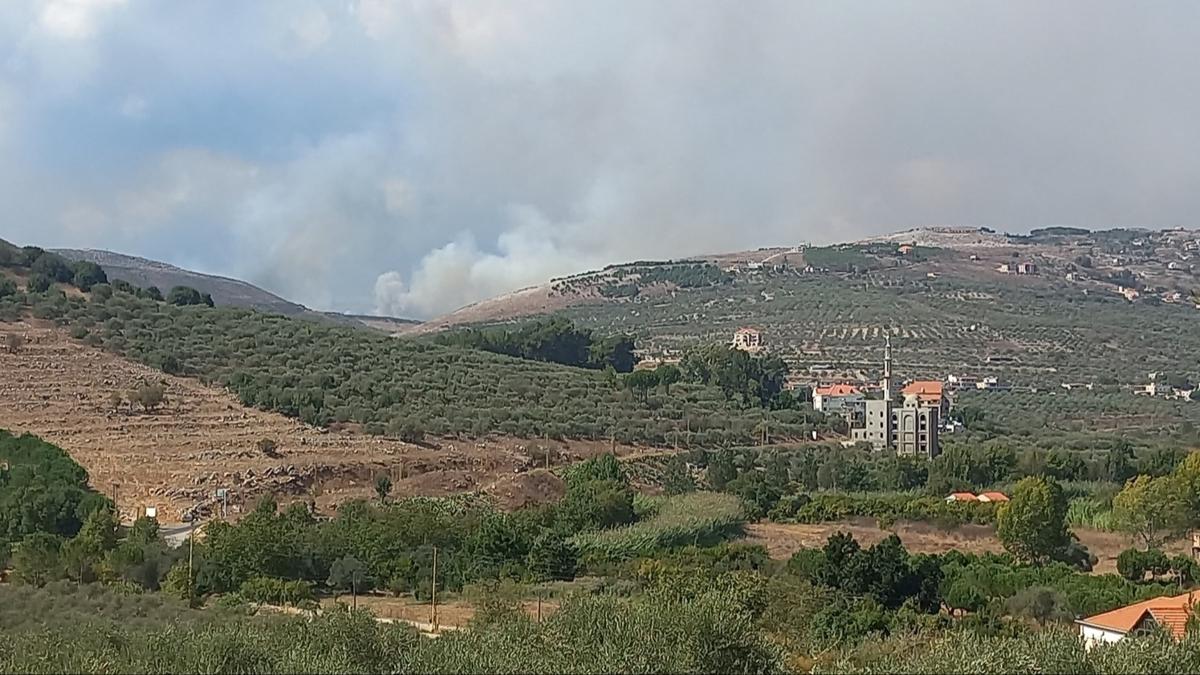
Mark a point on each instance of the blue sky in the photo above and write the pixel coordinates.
(411, 156)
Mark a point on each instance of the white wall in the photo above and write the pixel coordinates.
(1093, 636)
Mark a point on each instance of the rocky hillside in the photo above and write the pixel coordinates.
(225, 291)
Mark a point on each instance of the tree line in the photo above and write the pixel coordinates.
(329, 375)
(555, 339)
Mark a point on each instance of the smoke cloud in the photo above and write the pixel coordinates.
(412, 156)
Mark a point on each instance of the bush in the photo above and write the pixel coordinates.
(888, 507)
(265, 590)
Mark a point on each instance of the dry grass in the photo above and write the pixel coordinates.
(782, 540)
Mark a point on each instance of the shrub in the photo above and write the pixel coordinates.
(266, 590)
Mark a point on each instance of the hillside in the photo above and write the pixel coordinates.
(1089, 319)
(145, 273)
(1125, 295)
(224, 291)
(203, 439)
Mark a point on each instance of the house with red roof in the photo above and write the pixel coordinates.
(846, 400)
(961, 497)
(1169, 614)
(993, 497)
(929, 393)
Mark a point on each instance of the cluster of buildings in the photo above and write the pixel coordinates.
(1160, 387)
(1018, 268)
(905, 422)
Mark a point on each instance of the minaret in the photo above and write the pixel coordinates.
(887, 368)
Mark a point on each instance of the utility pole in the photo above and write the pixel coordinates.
(433, 595)
(191, 553)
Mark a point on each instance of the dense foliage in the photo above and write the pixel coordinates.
(708, 633)
(45, 268)
(555, 340)
(737, 373)
(42, 490)
(395, 543)
(326, 374)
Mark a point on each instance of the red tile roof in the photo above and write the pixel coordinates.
(963, 497)
(995, 496)
(927, 391)
(838, 390)
(1171, 613)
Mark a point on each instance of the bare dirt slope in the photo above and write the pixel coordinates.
(525, 302)
(204, 439)
(783, 540)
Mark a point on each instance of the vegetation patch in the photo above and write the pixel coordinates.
(698, 519)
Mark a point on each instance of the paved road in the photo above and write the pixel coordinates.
(176, 534)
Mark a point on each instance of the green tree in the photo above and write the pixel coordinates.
(52, 267)
(7, 287)
(180, 582)
(86, 274)
(596, 504)
(1185, 569)
(1153, 510)
(667, 376)
(552, 558)
(758, 493)
(1043, 604)
(81, 556)
(142, 558)
(1118, 463)
(641, 382)
(383, 488)
(677, 478)
(721, 470)
(604, 467)
(963, 594)
(1130, 564)
(349, 574)
(36, 559)
(1187, 473)
(1032, 526)
(38, 283)
(184, 295)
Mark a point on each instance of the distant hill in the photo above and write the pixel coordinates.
(144, 273)
(1059, 306)
(225, 291)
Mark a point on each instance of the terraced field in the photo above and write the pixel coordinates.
(202, 439)
(1035, 333)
